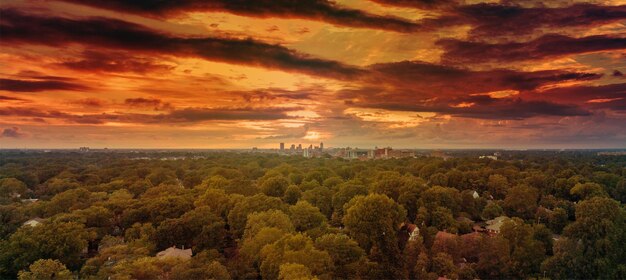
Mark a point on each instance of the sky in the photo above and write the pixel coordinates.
(216, 74)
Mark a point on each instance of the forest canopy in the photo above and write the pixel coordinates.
(221, 215)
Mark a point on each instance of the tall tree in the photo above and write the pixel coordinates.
(594, 245)
(373, 221)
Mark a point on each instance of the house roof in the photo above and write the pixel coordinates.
(173, 252)
(34, 221)
(475, 194)
(496, 223)
(411, 227)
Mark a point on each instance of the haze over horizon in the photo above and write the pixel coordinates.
(359, 73)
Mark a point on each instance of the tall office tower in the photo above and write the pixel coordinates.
(321, 146)
(299, 146)
(293, 147)
(282, 147)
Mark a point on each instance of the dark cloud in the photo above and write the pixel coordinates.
(506, 18)
(205, 114)
(266, 94)
(155, 103)
(617, 73)
(90, 102)
(424, 87)
(142, 102)
(179, 116)
(319, 10)
(488, 19)
(39, 85)
(489, 108)
(545, 47)
(120, 35)
(12, 132)
(561, 101)
(422, 80)
(9, 98)
(420, 4)
(611, 96)
(114, 62)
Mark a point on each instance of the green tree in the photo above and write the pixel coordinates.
(238, 216)
(373, 221)
(493, 258)
(345, 193)
(526, 252)
(217, 200)
(438, 196)
(146, 268)
(388, 183)
(320, 197)
(11, 186)
(587, 190)
(199, 228)
(62, 241)
(521, 201)
(161, 175)
(200, 269)
(275, 186)
(294, 271)
(67, 201)
(619, 192)
(297, 249)
(270, 218)
(46, 269)
(497, 186)
(443, 265)
(292, 194)
(558, 219)
(492, 210)
(306, 216)
(593, 246)
(345, 252)
(251, 245)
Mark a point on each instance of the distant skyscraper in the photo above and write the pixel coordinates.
(299, 146)
(321, 146)
(282, 147)
(293, 147)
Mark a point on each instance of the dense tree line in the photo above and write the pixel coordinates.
(251, 216)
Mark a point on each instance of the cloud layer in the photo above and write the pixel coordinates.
(439, 74)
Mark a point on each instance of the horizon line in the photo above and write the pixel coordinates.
(329, 148)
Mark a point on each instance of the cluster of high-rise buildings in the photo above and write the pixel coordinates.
(310, 151)
(347, 153)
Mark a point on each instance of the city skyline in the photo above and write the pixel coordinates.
(351, 73)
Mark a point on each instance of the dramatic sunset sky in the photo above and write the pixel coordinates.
(237, 74)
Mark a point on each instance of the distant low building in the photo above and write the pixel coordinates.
(618, 153)
(388, 152)
(440, 154)
(173, 252)
(494, 156)
(489, 157)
